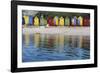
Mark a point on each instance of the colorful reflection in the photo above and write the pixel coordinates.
(50, 47)
(26, 39)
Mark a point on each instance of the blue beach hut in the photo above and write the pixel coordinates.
(74, 20)
(30, 20)
(23, 21)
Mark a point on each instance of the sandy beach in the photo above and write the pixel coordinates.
(58, 30)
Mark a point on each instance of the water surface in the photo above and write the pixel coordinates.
(52, 47)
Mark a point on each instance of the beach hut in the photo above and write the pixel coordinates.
(36, 21)
(55, 20)
(26, 18)
(45, 21)
(67, 21)
(42, 20)
(86, 21)
(23, 21)
(61, 21)
(50, 21)
(30, 20)
(80, 20)
(74, 20)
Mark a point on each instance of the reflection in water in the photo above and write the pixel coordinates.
(26, 39)
(50, 47)
(36, 40)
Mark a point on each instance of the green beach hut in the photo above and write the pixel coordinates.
(67, 21)
(42, 20)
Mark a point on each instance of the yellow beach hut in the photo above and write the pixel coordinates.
(36, 21)
(80, 20)
(26, 18)
(61, 21)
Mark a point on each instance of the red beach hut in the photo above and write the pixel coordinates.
(86, 21)
(50, 21)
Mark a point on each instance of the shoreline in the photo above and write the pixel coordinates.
(57, 30)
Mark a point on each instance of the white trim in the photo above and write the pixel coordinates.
(53, 63)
